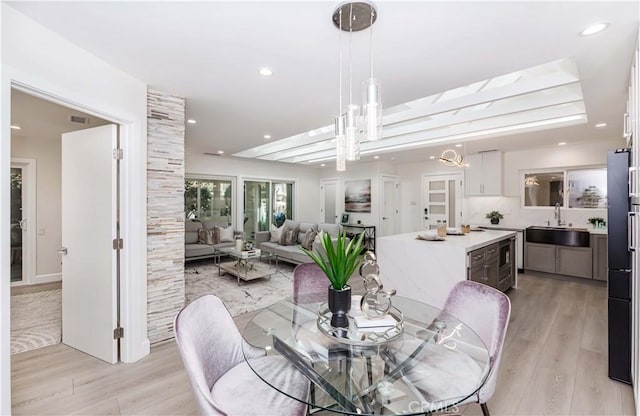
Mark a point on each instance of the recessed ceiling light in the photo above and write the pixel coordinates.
(323, 165)
(220, 152)
(267, 136)
(265, 71)
(191, 121)
(601, 125)
(432, 157)
(593, 29)
(562, 143)
(376, 157)
(459, 145)
(16, 127)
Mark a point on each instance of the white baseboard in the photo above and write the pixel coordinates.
(47, 278)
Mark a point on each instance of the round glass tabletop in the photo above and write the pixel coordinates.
(423, 360)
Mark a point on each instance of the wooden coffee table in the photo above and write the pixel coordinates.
(246, 265)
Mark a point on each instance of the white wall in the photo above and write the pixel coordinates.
(46, 152)
(307, 192)
(410, 177)
(43, 61)
(514, 163)
(371, 170)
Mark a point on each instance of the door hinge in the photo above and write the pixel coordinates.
(118, 333)
(118, 244)
(118, 154)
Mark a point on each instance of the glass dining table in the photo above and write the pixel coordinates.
(419, 360)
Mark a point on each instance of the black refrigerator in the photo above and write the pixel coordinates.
(619, 218)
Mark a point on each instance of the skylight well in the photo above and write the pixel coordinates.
(542, 97)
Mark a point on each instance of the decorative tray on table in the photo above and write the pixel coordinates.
(362, 335)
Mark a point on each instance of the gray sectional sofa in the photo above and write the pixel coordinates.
(195, 248)
(293, 253)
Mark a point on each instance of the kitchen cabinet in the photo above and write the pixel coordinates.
(632, 135)
(493, 265)
(599, 246)
(565, 260)
(574, 261)
(483, 175)
(540, 257)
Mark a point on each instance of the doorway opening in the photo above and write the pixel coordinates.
(36, 217)
(442, 200)
(329, 201)
(389, 205)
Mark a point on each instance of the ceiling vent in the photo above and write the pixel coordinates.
(212, 154)
(79, 119)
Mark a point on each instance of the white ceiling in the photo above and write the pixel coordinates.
(210, 52)
(43, 120)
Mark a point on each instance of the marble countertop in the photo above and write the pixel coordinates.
(467, 242)
(503, 227)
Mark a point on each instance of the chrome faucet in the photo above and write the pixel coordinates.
(557, 215)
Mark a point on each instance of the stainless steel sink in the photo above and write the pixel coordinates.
(561, 236)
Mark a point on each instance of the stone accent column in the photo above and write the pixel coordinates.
(165, 212)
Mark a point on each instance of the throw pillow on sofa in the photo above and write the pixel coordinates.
(276, 233)
(225, 235)
(207, 236)
(309, 238)
(289, 235)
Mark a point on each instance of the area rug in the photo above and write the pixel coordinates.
(36, 320)
(203, 278)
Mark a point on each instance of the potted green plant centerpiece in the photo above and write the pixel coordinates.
(339, 262)
(495, 217)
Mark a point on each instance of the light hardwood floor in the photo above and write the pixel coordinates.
(554, 362)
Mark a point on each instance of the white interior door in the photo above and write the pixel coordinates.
(441, 200)
(328, 205)
(88, 229)
(389, 206)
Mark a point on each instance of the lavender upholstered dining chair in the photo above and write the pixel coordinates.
(446, 373)
(486, 311)
(212, 351)
(309, 283)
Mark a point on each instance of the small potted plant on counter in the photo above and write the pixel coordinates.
(341, 261)
(597, 222)
(495, 217)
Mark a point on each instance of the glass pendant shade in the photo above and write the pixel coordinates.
(353, 132)
(372, 110)
(341, 164)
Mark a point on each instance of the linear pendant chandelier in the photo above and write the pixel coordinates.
(354, 121)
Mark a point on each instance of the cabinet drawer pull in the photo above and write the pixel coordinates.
(485, 268)
(630, 240)
(478, 257)
(493, 250)
(625, 124)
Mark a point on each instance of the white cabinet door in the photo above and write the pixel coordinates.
(491, 173)
(483, 175)
(473, 175)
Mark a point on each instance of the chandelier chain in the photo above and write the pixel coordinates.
(371, 42)
(340, 66)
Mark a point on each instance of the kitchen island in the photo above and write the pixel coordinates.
(427, 270)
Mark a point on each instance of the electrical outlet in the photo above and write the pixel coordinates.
(42, 231)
